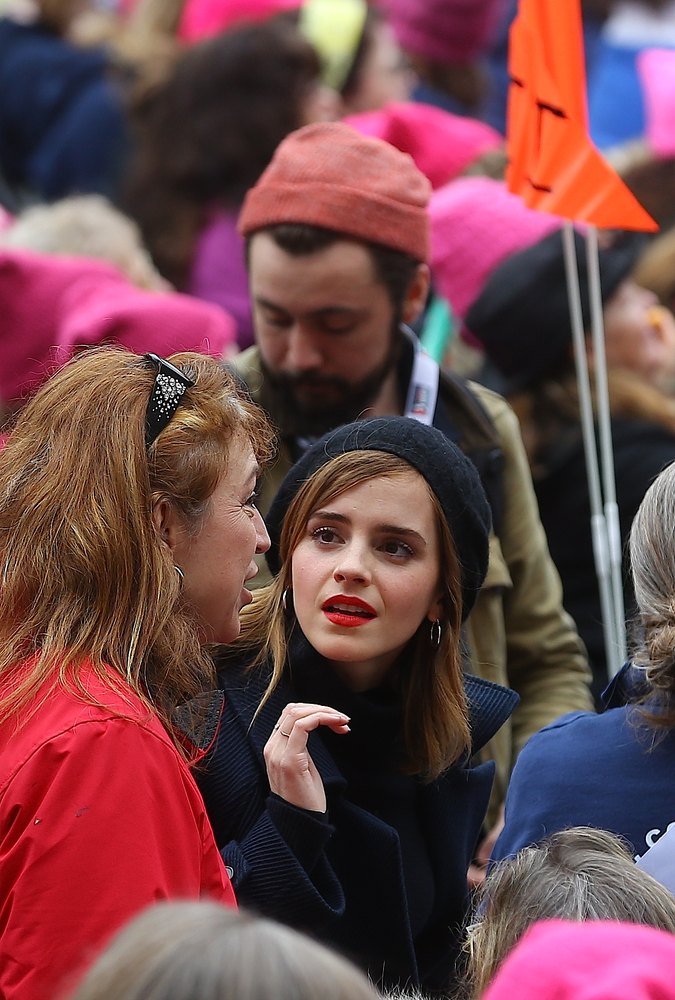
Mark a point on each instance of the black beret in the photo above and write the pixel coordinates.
(449, 473)
(522, 316)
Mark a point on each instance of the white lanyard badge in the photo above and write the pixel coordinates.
(423, 389)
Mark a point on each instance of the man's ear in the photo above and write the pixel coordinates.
(168, 525)
(416, 296)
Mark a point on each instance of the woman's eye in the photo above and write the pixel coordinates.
(398, 549)
(325, 536)
(252, 500)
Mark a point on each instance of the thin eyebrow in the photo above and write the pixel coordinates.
(385, 529)
(393, 529)
(329, 515)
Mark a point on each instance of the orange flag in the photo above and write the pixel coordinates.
(553, 164)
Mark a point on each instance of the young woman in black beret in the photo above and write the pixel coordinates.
(341, 788)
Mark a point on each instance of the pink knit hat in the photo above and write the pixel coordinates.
(656, 70)
(204, 18)
(51, 306)
(329, 175)
(595, 960)
(441, 144)
(454, 31)
(475, 225)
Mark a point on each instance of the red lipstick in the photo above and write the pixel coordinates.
(347, 611)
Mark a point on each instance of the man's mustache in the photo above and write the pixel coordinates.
(310, 379)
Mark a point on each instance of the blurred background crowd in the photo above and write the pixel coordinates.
(149, 171)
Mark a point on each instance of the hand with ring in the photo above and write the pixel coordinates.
(291, 771)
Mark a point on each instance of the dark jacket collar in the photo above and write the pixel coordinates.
(490, 706)
(245, 689)
(629, 685)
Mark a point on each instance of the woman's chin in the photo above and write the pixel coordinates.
(347, 649)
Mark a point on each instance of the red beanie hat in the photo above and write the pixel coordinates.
(331, 176)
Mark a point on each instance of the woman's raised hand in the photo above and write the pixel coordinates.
(291, 771)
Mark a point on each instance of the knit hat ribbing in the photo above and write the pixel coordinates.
(331, 176)
(452, 477)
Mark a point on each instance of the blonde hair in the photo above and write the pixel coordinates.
(577, 874)
(434, 706)
(652, 557)
(84, 576)
(202, 951)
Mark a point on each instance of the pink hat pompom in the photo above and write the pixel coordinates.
(441, 144)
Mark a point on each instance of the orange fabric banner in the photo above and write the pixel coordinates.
(553, 164)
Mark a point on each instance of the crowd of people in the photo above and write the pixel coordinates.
(303, 682)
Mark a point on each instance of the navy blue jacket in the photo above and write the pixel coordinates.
(62, 124)
(607, 771)
(343, 881)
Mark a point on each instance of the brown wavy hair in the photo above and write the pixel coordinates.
(435, 717)
(207, 133)
(84, 575)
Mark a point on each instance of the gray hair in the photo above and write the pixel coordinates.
(652, 555)
(577, 874)
(203, 951)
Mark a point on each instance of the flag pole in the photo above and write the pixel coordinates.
(598, 524)
(611, 508)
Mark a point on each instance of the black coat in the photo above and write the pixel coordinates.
(641, 451)
(343, 881)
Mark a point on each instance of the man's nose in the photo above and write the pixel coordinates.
(302, 353)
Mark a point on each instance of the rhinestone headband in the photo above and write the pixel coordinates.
(167, 392)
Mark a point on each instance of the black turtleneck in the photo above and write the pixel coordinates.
(370, 758)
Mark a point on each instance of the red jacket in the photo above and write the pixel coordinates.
(99, 817)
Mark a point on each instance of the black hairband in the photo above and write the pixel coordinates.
(167, 392)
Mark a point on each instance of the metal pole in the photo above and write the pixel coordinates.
(598, 524)
(606, 450)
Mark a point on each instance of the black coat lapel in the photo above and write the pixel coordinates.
(245, 691)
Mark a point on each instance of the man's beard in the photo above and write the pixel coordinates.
(331, 400)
